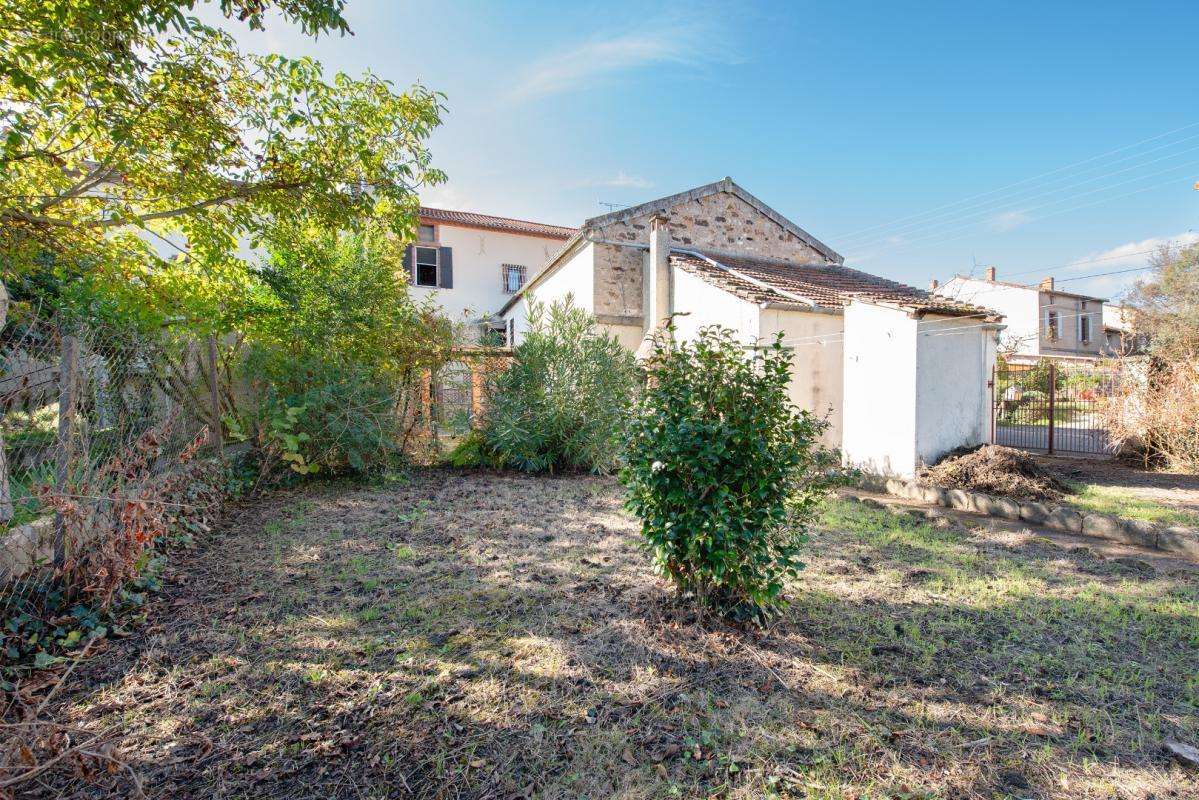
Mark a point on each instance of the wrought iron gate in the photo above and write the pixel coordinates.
(1052, 407)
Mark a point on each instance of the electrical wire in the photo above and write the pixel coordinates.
(859, 231)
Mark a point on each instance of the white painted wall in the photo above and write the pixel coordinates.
(914, 389)
(478, 256)
(879, 425)
(575, 276)
(953, 366)
(817, 363)
(1020, 308)
(707, 305)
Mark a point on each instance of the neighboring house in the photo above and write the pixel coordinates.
(1042, 321)
(901, 375)
(472, 263)
(1119, 336)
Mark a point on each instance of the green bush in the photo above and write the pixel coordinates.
(335, 349)
(724, 472)
(562, 405)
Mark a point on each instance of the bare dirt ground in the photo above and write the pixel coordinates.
(496, 636)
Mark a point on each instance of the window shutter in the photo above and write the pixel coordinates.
(447, 268)
(410, 263)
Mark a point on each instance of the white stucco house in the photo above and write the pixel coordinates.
(470, 264)
(1042, 321)
(900, 374)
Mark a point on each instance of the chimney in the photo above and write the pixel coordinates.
(659, 272)
(932, 285)
(1047, 284)
(991, 274)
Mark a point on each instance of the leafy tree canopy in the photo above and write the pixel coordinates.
(1166, 304)
(125, 122)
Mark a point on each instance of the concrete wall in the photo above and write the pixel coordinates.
(914, 389)
(817, 365)
(718, 222)
(953, 403)
(879, 426)
(478, 256)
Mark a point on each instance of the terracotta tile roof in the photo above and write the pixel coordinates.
(762, 281)
(504, 224)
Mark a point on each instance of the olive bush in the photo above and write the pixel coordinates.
(724, 471)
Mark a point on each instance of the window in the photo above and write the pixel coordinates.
(1084, 328)
(495, 336)
(426, 266)
(1051, 325)
(427, 234)
(513, 276)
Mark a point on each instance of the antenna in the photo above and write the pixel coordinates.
(613, 206)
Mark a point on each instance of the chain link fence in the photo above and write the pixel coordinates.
(98, 429)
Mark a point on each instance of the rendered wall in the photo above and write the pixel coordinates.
(574, 277)
(817, 363)
(1019, 306)
(478, 257)
(953, 366)
(879, 425)
(707, 305)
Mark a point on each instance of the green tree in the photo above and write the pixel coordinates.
(1165, 306)
(124, 117)
(724, 471)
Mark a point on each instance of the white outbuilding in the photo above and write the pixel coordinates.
(901, 375)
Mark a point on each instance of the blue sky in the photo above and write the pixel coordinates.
(917, 139)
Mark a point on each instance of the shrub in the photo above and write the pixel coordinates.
(336, 348)
(724, 472)
(563, 403)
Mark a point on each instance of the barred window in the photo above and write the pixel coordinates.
(513, 277)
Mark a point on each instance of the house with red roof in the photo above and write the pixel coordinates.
(901, 375)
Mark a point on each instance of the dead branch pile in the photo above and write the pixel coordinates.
(997, 470)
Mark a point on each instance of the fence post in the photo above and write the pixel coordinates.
(1052, 400)
(6, 509)
(214, 394)
(66, 413)
(994, 399)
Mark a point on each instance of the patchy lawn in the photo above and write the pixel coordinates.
(1112, 486)
(471, 635)
(1124, 503)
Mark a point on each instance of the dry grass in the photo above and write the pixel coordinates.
(498, 636)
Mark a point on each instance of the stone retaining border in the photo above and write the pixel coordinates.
(25, 547)
(1175, 539)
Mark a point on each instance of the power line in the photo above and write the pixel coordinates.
(1100, 201)
(990, 208)
(973, 222)
(1025, 180)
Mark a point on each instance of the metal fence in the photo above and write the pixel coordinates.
(1053, 407)
(93, 420)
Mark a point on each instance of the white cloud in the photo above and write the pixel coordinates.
(690, 40)
(1130, 254)
(621, 180)
(1009, 220)
(1127, 256)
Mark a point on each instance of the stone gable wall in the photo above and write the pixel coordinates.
(719, 222)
